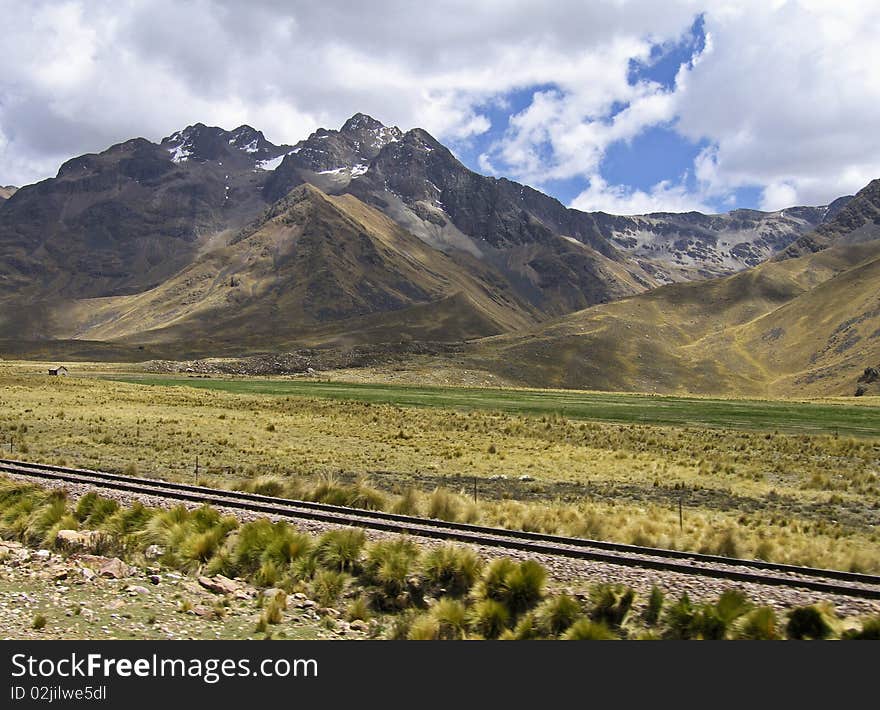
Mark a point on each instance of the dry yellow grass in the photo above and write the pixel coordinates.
(806, 499)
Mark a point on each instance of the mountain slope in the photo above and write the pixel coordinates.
(858, 220)
(130, 217)
(315, 269)
(795, 327)
(7, 192)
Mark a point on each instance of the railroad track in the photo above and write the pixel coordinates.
(755, 571)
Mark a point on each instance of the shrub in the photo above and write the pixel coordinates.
(443, 505)
(870, 631)
(518, 586)
(489, 618)
(451, 617)
(759, 625)
(807, 622)
(655, 606)
(424, 628)
(327, 585)
(388, 566)
(407, 504)
(524, 587)
(266, 486)
(358, 609)
(557, 614)
(128, 520)
(400, 625)
(611, 603)
(39, 622)
(588, 630)
(679, 619)
(526, 629)
(341, 549)
(452, 569)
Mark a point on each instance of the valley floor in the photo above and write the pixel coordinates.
(787, 481)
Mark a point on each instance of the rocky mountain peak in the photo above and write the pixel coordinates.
(206, 143)
(361, 121)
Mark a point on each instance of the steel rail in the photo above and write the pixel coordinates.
(695, 564)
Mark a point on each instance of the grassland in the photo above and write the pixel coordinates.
(809, 498)
(793, 417)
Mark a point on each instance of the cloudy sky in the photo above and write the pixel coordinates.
(626, 106)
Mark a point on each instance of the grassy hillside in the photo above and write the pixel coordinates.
(316, 269)
(799, 327)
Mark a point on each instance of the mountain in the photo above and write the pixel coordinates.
(683, 247)
(7, 192)
(220, 241)
(132, 216)
(315, 268)
(794, 327)
(855, 220)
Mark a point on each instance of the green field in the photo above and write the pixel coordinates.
(783, 416)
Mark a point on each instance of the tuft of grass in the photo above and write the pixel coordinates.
(526, 629)
(39, 622)
(274, 610)
(451, 616)
(267, 486)
(341, 549)
(679, 619)
(444, 505)
(611, 603)
(489, 618)
(407, 504)
(388, 567)
(760, 625)
(556, 614)
(870, 630)
(452, 569)
(588, 630)
(424, 628)
(807, 622)
(519, 586)
(327, 586)
(359, 609)
(655, 606)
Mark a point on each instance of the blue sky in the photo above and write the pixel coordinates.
(655, 154)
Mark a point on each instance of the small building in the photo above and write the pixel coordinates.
(59, 371)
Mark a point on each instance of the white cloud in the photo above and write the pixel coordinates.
(80, 75)
(665, 196)
(778, 195)
(785, 93)
(788, 95)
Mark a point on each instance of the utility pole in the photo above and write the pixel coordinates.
(197, 469)
(680, 516)
(475, 489)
